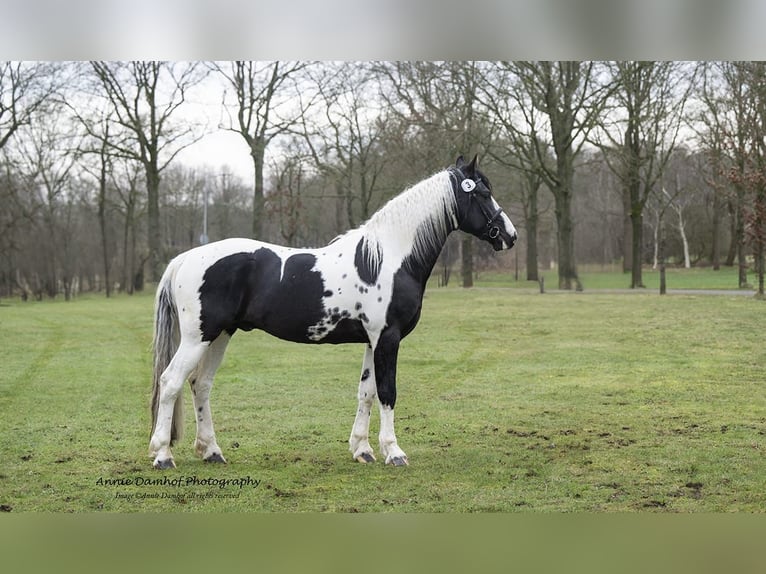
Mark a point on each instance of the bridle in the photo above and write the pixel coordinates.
(467, 185)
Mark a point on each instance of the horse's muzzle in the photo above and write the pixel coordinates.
(503, 240)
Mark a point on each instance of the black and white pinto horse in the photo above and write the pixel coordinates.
(366, 286)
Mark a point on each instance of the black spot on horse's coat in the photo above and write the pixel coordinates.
(367, 263)
(366, 375)
(244, 291)
(358, 306)
(327, 293)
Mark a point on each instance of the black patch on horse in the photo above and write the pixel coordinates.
(367, 265)
(403, 312)
(347, 330)
(244, 291)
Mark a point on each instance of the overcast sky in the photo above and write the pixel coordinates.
(377, 29)
(374, 29)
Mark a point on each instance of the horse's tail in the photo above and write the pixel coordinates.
(164, 346)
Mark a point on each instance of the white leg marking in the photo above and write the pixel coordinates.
(388, 446)
(359, 443)
(202, 381)
(184, 362)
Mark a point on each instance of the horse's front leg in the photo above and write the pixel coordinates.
(359, 442)
(385, 356)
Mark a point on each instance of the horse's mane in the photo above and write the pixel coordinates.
(419, 219)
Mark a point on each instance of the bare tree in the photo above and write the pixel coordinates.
(712, 137)
(676, 202)
(101, 173)
(517, 128)
(45, 157)
(571, 99)
(25, 89)
(639, 139)
(264, 93)
(125, 178)
(101, 170)
(751, 177)
(726, 136)
(145, 97)
(285, 203)
(345, 141)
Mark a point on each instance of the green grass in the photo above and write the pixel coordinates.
(597, 278)
(508, 401)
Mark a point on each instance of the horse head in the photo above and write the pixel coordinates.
(477, 211)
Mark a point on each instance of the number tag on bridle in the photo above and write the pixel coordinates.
(468, 185)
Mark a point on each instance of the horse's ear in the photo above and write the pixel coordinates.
(459, 162)
(472, 166)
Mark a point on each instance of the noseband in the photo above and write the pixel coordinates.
(491, 230)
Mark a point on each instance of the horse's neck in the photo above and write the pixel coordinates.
(414, 226)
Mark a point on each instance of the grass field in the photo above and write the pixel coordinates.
(595, 277)
(508, 401)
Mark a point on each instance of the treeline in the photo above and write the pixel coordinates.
(605, 163)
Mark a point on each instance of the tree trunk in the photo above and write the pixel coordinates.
(656, 258)
(153, 222)
(759, 237)
(531, 238)
(627, 234)
(637, 230)
(684, 240)
(759, 265)
(126, 283)
(565, 227)
(661, 249)
(731, 254)
(739, 237)
(258, 153)
(467, 260)
(102, 226)
(715, 256)
(562, 193)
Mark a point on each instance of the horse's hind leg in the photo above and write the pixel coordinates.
(172, 379)
(201, 382)
(359, 443)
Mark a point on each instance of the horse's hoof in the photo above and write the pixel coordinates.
(164, 464)
(399, 461)
(216, 457)
(365, 457)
